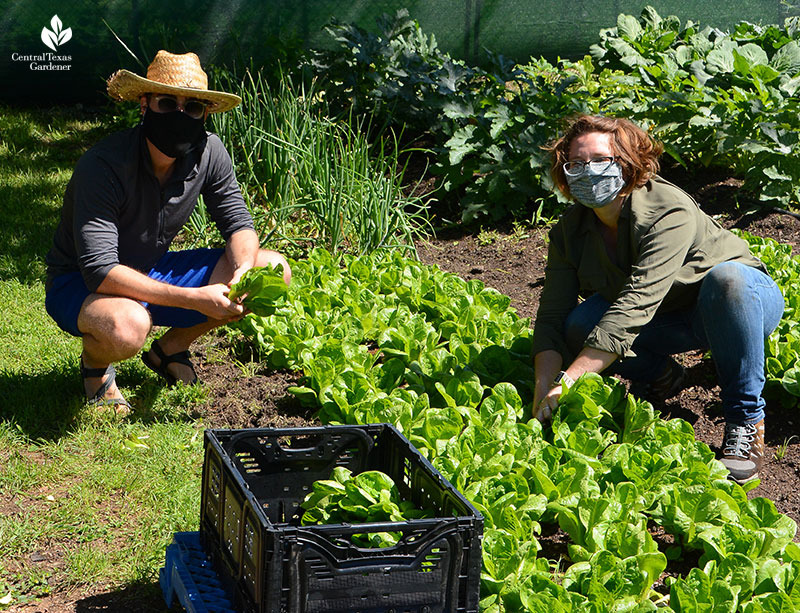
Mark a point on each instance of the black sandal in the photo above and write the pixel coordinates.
(98, 399)
(182, 357)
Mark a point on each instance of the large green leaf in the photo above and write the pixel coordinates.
(721, 59)
(753, 53)
(629, 27)
(791, 380)
(260, 289)
(787, 59)
(462, 144)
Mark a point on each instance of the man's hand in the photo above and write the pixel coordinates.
(237, 274)
(213, 301)
(241, 251)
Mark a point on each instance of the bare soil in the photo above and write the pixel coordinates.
(512, 261)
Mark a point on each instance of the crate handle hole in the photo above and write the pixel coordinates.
(300, 441)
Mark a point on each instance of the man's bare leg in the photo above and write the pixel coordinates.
(114, 329)
(176, 340)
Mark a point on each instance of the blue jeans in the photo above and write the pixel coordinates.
(737, 308)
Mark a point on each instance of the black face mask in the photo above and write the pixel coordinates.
(174, 134)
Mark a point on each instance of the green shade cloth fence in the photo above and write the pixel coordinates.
(71, 62)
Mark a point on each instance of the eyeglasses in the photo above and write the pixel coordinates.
(169, 104)
(578, 167)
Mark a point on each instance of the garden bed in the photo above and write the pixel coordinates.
(515, 266)
(241, 393)
(511, 260)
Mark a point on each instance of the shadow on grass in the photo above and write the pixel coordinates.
(43, 405)
(38, 153)
(139, 598)
(47, 405)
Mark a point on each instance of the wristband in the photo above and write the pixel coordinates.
(563, 379)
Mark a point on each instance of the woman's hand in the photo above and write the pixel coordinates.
(546, 364)
(548, 404)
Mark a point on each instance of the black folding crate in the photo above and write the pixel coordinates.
(253, 483)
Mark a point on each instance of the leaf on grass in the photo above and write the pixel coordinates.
(136, 442)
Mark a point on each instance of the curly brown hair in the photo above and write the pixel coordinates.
(635, 150)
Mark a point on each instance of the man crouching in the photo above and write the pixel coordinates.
(110, 276)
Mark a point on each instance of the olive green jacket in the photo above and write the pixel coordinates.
(665, 247)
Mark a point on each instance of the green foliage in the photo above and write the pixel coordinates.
(370, 496)
(381, 338)
(260, 289)
(782, 349)
(398, 72)
(715, 98)
(309, 179)
(489, 125)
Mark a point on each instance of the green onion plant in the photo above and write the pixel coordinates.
(310, 178)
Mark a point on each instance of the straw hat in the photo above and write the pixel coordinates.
(169, 73)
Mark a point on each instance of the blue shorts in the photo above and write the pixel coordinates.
(188, 268)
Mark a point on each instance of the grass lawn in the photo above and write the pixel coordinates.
(85, 501)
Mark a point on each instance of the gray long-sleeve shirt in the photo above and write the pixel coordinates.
(116, 212)
(665, 247)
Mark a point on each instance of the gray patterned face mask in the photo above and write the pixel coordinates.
(596, 188)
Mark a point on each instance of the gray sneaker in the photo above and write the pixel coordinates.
(743, 451)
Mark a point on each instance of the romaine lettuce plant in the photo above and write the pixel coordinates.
(368, 497)
(260, 289)
(381, 338)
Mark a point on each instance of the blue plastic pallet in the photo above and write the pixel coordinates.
(188, 575)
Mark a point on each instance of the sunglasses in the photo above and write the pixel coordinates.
(169, 104)
(576, 168)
